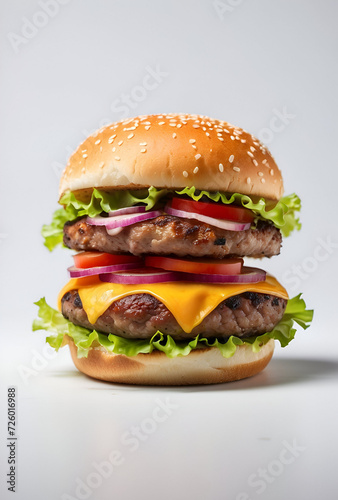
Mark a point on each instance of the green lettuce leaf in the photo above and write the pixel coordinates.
(53, 321)
(53, 233)
(102, 201)
(282, 214)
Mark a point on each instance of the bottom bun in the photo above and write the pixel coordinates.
(201, 366)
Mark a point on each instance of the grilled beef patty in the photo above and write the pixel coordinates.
(167, 234)
(139, 316)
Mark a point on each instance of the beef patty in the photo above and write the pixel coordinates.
(167, 234)
(139, 316)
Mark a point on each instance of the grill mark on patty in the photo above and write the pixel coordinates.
(191, 230)
(232, 302)
(141, 315)
(256, 298)
(220, 241)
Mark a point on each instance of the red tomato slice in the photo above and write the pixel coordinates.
(196, 266)
(212, 209)
(83, 260)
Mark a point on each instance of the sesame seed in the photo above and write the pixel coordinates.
(231, 158)
(130, 128)
(265, 161)
(248, 180)
(260, 174)
(185, 173)
(143, 150)
(97, 142)
(262, 180)
(195, 170)
(243, 141)
(161, 123)
(174, 135)
(220, 139)
(179, 125)
(117, 158)
(250, 154)
(207, 134)
(147, 127)
(255, 162)
(111, 138)
(85, 155)
(196, 126)
(272, 172)
(198, 156)
(225, 130)
(252, 149)
(143, 143)
(120, 143)
(114, 149)
(221, 168)
(172, 124)
(130, 136)
(192, 141)
(219, 134)
(236, 169)
(232, 137)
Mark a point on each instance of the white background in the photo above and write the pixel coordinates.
(247, 62)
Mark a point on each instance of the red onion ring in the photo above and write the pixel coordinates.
(223, 224)
(119, 221)
(146, 276)
(248, 275)
(77, 272)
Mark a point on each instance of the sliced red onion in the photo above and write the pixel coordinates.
(98, 221)
(77, 272)
(141, 277)
(127, 210)
(114, 232)
(248, 275)
(119, 221)
(223, 224)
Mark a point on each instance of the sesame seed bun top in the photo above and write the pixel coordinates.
(173, 151)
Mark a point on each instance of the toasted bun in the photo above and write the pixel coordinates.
(201, 366)
(173, 151)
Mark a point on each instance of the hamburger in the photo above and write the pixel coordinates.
(161, 211)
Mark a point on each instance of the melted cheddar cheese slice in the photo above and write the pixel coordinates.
(189, 303)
